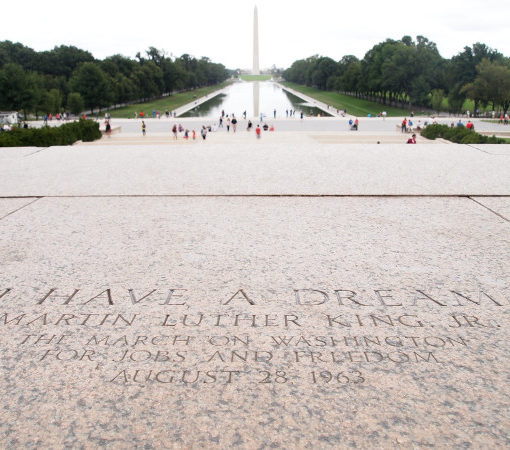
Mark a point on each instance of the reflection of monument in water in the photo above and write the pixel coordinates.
(256, 69)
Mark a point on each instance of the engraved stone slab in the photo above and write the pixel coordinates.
(254, 322)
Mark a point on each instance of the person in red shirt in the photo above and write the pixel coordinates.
(470, 125)
(412, 139)
(258, 131)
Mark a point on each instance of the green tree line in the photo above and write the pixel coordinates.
(68, 78)
(413, 73)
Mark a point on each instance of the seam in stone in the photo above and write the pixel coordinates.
(22, 207)
(262, 196)
(479, 149)
(37, 151)
(491, 210)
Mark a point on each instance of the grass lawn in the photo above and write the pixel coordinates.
(255, 77)
(354, 106)
(171, 102)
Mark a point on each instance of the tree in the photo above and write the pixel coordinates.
(492, 84)
(462, 70)
(436, 100)
(75, 103)
(51, 101)
(18, 88)
(92, 83)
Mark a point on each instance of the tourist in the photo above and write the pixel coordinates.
(248, 128)
(142, 114)
(287, 113)
(193, 134)
(108, 128)
(301, 114)
(274, 114)
(221, 122)
(228, 124)
(265, 127)
(143, 127)
(186, 134)
(167, 113)
(181, 128)
(174, 131)
(412, 139)
(404, 125)
(257, 131)
(244, 114)
(460, 124)
(470, 125)
(234, 123)
(271, 128)
(356, 124)
(203, 132)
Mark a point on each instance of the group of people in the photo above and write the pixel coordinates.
(354, 125)
(58, 116)
(156, 114)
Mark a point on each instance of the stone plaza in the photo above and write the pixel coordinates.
(304, 290)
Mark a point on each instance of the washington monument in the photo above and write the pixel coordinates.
(256, 69)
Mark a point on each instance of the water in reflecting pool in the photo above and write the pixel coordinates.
(254, 97)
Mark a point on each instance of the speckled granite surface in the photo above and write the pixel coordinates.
(254, 323)
(242, 165)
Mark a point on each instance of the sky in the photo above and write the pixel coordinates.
(223, 30)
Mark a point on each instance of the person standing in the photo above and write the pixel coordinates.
(174, 131)
(258, 131)
(404, 125)
(228, 124)
(234, 123)
(248, 128)
(143, 128)
(274, 113)
(203, 132)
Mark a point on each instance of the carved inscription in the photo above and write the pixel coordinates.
(325, 338)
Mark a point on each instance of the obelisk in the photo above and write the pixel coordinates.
(256, 69)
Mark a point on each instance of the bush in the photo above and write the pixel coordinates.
(66, 134)
(459, 135)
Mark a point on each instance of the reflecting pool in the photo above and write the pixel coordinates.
(256, 98)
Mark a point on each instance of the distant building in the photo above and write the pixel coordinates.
(8, 117)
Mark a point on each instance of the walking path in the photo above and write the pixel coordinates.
(320, 105)
(189, 106)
